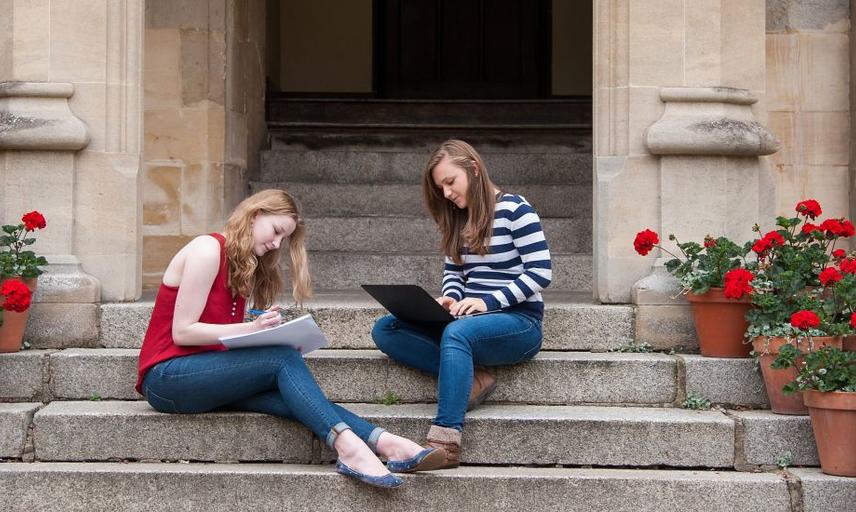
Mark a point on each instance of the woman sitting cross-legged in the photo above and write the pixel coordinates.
(184, 369)
(497, 259)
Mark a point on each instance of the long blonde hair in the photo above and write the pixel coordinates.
(260, 275)
(471, 226)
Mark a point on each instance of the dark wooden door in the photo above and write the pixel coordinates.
(463, 48)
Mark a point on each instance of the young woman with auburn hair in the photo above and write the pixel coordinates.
(497, 259)
(184, 369)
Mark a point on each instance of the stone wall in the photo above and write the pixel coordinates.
(204, 119)
(808, 99)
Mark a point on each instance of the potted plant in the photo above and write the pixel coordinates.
(827, 378)
(716, 278)
(19, 269)
(798, 297)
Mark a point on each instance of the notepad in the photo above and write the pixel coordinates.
(301, 333)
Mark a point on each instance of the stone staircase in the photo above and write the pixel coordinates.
(580, 427)
(576, 428)
(356, 167)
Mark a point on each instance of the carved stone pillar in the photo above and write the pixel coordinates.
(39, 136)
(710, 183)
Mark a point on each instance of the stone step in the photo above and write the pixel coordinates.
(368, 375)
(338, 270)
(517, 138)
(567, 435)
(407, 235)
(252, 487)
(15, 421)
(405, 167)
(405, 200)
(595, 436)
(416, 112)
(561, 378)
(571, 321)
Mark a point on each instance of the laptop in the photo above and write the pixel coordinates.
(411, 303)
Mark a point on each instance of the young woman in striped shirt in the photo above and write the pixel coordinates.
(497, 259)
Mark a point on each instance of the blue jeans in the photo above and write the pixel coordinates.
(271, 380)
(449, 352)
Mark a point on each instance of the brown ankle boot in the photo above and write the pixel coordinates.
(483, 385)
(448, 440)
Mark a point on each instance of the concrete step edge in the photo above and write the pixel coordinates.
(239, 487)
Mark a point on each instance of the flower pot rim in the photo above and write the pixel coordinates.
(838, 400)
(716, 294)
(762, 344)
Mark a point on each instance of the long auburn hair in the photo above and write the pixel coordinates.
(260, 276)
(471, 226)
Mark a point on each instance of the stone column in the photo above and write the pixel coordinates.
(39, 136)
(70, 148)
(687, 57)
(710, 183)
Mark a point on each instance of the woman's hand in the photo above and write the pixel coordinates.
(270, 318)
(467, 306)
(446, 302)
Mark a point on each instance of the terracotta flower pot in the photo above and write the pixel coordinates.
(720, 323)
(775, 380)
(833, 420)
(849, 344)
(14, 324)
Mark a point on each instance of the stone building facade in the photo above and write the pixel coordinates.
(135, 125)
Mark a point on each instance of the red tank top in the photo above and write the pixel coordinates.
(221, 308)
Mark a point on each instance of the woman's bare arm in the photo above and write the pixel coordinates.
(201, 258)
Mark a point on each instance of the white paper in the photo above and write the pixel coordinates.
(301, 333)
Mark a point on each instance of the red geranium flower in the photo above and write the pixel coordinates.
(808, 227)
(839, 253)
(709, 241)
(805, 319)
(645, 241)
(832, 227)
(847, 229)
(775, 238)
(767, 242)
(853, 320)
(762, 246)
(17, 294)
(809, 208)
(830, 275)
(848, 265)
(33, 221)
(737, 283)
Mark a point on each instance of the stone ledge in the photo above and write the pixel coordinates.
(825, 492)
(58, 325)
(36, 116)
(598, 436)
(725, 381)
(366, 375)
(347, 320)
(252, 487)
(24, 375)
(15, 422)
(768, 436)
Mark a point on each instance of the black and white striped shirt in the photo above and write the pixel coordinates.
(516, 267)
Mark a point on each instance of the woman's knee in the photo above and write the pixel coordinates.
(383, 331)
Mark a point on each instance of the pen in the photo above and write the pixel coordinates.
(258, 312)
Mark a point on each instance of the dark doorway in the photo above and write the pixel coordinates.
(459, 49)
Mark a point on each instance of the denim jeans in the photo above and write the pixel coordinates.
(271, 380)
(449, 352)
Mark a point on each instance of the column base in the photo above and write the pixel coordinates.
(65, 309)
(663, 316)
